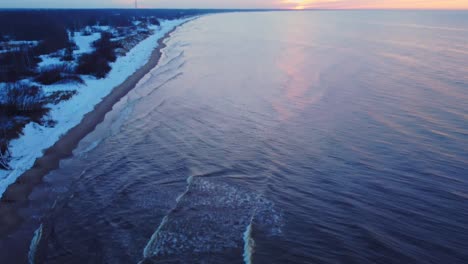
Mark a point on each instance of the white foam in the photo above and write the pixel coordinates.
(34, 243)
(210, 207)
(149, 250)
(249, 245)
(91, 146)
(36, 138)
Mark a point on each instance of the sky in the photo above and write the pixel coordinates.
(284, 4)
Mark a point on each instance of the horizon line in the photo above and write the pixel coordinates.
(235, 9)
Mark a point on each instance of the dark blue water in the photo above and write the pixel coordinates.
(293, 137)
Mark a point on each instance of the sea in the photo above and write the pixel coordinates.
(274, 137)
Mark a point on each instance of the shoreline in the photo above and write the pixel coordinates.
(16, 196)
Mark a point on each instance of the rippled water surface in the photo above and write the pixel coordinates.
(287, 137)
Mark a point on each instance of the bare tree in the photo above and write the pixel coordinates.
(4, 152)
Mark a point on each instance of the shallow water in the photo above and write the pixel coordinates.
(281, 137)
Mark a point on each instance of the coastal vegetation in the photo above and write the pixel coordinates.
(46, 55)
(97, 62)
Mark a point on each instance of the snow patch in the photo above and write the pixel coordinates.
(84, 42)
(16, 45)
(48, 60)
(35, 139)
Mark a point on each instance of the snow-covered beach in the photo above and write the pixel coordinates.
(36, 138)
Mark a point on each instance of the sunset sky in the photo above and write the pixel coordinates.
(287, 4)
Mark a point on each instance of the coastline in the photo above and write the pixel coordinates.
(16, 195)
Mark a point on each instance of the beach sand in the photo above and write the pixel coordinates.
(16, 196)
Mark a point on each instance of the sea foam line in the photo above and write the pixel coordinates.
(249, 244)
(26, 149)
(150, 249)
(34, 243)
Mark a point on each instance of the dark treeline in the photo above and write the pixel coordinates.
(24, 103)
(37, 24)
(97, 62)
(14, 65)
(50, 28)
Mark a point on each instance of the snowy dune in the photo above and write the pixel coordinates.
(36, 138)
(84, 45)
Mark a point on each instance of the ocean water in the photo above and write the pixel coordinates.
(277, 137)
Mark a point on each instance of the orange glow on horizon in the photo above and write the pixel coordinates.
(374, 4)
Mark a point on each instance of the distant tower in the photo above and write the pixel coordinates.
(136, 4)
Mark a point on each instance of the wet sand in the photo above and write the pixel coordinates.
(16, 196)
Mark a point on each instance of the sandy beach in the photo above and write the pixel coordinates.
(16, 196)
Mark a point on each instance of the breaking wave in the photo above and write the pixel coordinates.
(34, 243)
(212, 218)
(249, 244)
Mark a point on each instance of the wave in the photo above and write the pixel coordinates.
(162, 74)
(212, 218)
(420, 26)
(34, 243)
(36, 138)
(249, 244)
(147, 252)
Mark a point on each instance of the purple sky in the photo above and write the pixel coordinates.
(297, 4)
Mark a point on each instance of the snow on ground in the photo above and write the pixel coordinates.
(102, 28)
(23, 42)
(84, 42)
(48, 60)
(26, 149)
(2, 93)
(15, 45)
